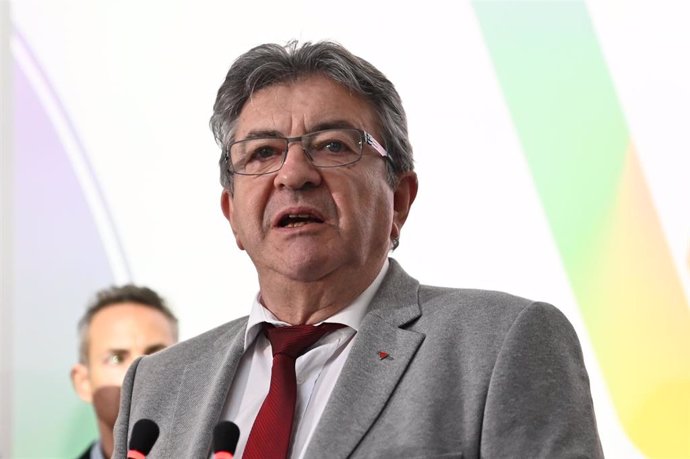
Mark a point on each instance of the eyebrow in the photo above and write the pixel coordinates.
(259, 133)
(149, 350)
(154, 348)
(335, 124)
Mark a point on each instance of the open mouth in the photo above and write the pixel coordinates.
(296, 220)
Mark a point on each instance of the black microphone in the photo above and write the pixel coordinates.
(144, 435)
(225, 437)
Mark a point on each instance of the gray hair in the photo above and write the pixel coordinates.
(117, 295)
(271, 64)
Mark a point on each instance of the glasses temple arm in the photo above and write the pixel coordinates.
(375, 145)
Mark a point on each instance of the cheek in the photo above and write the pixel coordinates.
(368, 207)
(381, 217)
(109, 375)
(248, 210)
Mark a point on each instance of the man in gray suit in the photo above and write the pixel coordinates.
(318, 181)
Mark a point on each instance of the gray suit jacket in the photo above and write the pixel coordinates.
(469, 374)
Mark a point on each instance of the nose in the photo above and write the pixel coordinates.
(297, 172)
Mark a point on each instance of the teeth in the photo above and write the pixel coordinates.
(295, 220)
(295, 224)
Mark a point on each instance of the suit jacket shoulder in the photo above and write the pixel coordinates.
(468, 373)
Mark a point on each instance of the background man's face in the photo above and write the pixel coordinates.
(118, 334)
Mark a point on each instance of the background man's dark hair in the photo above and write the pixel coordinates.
(128, 293)
(270, 64)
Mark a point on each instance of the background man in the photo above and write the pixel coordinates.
(120, 325)
(343, 354)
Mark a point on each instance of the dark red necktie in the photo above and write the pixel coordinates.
(272, 429)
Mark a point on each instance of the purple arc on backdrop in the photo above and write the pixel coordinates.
(58, 261)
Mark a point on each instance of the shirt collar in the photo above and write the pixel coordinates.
(96, 451)
(351, 316)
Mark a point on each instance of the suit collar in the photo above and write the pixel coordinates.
(396, 301)
(368, 379)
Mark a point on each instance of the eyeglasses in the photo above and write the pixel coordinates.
(326, 148)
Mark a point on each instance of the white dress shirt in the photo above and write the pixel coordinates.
(317, 371)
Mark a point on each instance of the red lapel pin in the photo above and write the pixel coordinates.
(383, 355)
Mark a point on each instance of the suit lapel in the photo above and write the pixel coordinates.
(369, 378)
(204, 388)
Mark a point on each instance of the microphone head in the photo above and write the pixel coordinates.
(225, 437)
(144, 435)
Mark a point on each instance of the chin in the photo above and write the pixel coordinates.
(307, 267)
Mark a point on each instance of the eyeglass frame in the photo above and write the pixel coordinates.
(365, 138)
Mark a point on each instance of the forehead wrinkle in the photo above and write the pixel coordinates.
(287, 107)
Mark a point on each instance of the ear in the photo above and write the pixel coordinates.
(81, 382)
(403, 197)
(227, 206)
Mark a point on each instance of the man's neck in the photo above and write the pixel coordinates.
(297, 302)
(106, 439)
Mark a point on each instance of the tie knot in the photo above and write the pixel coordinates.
(293, 341)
